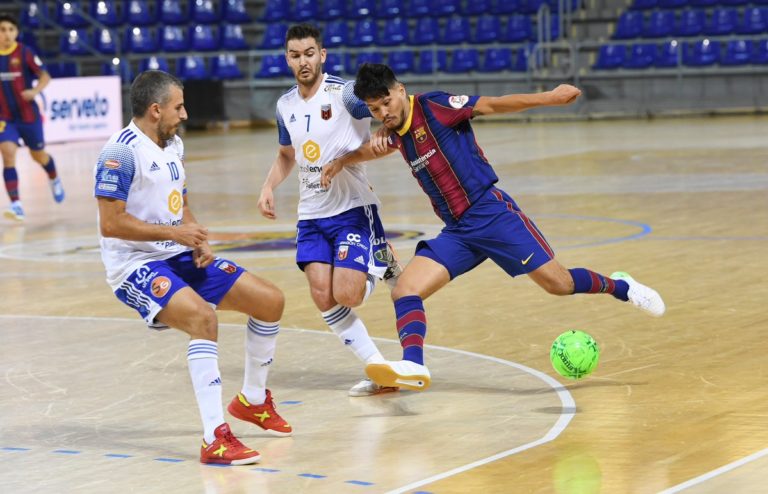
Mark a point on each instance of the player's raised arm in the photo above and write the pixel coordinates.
(365, 152)
(282, 166)
(564, 94)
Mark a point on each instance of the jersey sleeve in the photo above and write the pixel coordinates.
(283, 136)
(114, 171)
(449, 109)
(33, 62)
(354, 105)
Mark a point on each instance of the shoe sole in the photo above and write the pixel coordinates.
(244, 461)
(380, 391)
(13, 216)
(383, 375)
(233, 411)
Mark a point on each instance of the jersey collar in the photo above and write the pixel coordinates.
(407, 125)
(9, 50)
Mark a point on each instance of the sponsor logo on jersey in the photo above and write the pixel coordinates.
(160, 286)
(325, 112)
(420, 134)
(175, 201)
(227, 267)
(112, 164)
(422, 161)
(458, 101)
(107, 187)
(311, 150)
(343, 251)
(333, 88)
(293, 118)
(154, 167)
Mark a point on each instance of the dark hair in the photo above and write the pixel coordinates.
(8, 18)
(374, 80)
(151, 86)
(303, 31)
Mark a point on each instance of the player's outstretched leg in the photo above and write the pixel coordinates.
(641, 296)
(226, 449)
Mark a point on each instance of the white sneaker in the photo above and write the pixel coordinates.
(402, 373)
(641, 296)
(394, 270)
(14, 212)
(57, 189)
(366, 387)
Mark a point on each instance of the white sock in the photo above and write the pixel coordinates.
(203, 361)
(352, 332)
(370, 284)
(260, 342)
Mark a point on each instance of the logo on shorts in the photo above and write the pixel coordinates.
(420, 134)
(325, 112)
(227, 267)
(160, 286)
(343, 251)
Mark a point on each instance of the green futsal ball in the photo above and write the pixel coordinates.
(574, 354)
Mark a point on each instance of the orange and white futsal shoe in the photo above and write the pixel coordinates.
(227, 449)
(264, 415)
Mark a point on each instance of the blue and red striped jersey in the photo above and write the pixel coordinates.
(19, 66)
(438, 143)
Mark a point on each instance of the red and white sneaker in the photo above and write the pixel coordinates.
(227, 449)
(264, 415)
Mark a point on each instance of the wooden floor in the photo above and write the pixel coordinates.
(92, 401)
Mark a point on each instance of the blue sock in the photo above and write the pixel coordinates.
(11, 179)
(411, 327)
(586, 281)
(50, 168)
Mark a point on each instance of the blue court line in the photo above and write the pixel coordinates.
(265, 470)
(744, 238)
(289, 402)
(217, 465)
(14, 449)
(312, 476)
(645, 229)
(169, 460)
(117, 455)
(358, 482)
(66, 451)
(421, 492)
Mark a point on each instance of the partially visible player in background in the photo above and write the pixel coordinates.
(19, 115)
(158, 262)
(433, 133)
(341, 245)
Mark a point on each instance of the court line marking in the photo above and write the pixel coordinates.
(568, 405)
(716, 472)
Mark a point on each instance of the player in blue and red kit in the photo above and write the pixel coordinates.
(19, 115)
(433, 133)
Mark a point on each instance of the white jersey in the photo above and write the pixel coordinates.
(330, 124)
(151, 181)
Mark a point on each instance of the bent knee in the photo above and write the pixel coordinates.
(205, 325)
(349, 298)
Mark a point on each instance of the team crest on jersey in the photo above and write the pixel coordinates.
(325, 112)
(227, 267)
(112, 164)
(458, 101)
(160, 286)
(343, 251)
(14, 62)
(420, 134)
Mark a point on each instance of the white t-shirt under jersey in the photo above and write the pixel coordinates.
(331, 123)
(151, 181)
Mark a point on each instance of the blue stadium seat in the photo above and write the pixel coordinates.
(503, 7)
(390, 8)
(120, 69)
(153, 63)
(425, 32)
(333, 64)
(521, 62)
(395, 32)
(430, 62)
(722, 22)
(419, 8)
(204, 12)
(476, 7)
(173, 12)
(203, 37)
(273, 66)
(661, 23)
(277, 10)
(192, 68)
(174, 39)
(106, 12)
(445, 8)
(487, 29)
(610, 57)
(104, 41)
(352, 64)
(140, 40)
(360, 9)
(28, 38)
(335, 34)
(456, 31)
(32, 14)
(140, 13)
(224, 67)
(760, 53)
(702, 53)
(402, 62)
(641, 56)
(668, 54)
(644, 4)
(519, 28)
(333, 9)
(464, 60)
(530, 7)
(629, 25)
(232, 37)
(703, 3)
(235, 12)
(274, 36)
(75, 42)
(734, 3)
(691, 22)
(68, 14)
(304, 10)
(365, 33)
(754, 21)
(672, 4)
(62, 69)
(497, 60)
(737, 52)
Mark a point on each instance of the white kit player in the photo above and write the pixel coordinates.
(341, 245)
(158, 262)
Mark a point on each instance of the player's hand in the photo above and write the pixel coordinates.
(28, 94)
(191, 234)
(564, 94)
(203, 255)
(330, 170)
(267, 204)
(379, 140)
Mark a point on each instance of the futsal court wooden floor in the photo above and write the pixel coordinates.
(91, 401)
